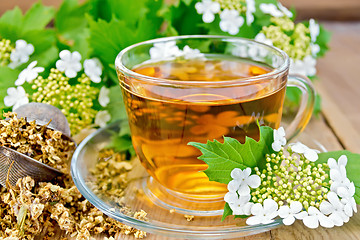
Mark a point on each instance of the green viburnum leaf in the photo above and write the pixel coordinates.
(8, 77)
(121, 141)
(37, 17)
(184, 19)
(107, 39)
(227, 212)
(116, 106)
(71, 26)
(13, 25)
(222, 158)
(322, 40)
(352, 167)
(10, 24)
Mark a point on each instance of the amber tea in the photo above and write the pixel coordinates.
(164, 119)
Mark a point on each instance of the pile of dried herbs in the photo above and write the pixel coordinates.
(32, 210)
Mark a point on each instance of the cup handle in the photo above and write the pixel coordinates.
(306, 105)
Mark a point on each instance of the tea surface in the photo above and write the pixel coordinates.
(164, 119)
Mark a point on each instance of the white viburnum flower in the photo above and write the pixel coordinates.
(93, 69)
(164, 50)
(21, 53)
(271, 9)
(285, 10)
(240, 205)
(263, 214)
(29, 74)
(315, 217)
(104, 96)
(208, 9)
(101, 118)
(250, 9)
(335, 208)
(243, 181)
(347, 199)
(190, 53)
(279, 139)
(69, 63)
(314, 30)
(309, 153)
(306, 67)
(16, 97)
(289, 214)
(231, 21)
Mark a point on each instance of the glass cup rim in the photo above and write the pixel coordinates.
(241, 81)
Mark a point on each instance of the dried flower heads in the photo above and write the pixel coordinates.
(32, 210)
(38, 142)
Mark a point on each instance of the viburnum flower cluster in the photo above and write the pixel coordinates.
(64, 88)
(293, 187)
(297, 40)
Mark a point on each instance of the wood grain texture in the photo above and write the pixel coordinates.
(339, 83)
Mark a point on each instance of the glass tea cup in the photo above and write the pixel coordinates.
(198, 88)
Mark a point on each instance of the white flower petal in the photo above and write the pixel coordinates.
(335, 175)
(298, 147)
(284, 211)
(343, 160)
(76, 56)
(253, 181)
(104, 96)
(289, 220)
(208, 17)
(237, 173)
(254, 220)
(231, 197)
(276, 146)
(334, 199)
(65, 55)
(9, 101)
(270, 205)
(70, 73)
(332, 163)
(233, 185)
(336, 219)
(326, 208)
(247, 172)
(295, 207)
(311, 222)
(311, 155)
(247, 208)
(101, 118)
(348, 210)
(285, 10)
(301, 215)
(257, 209)
(326, 221)
(244, 190)
(353, 204)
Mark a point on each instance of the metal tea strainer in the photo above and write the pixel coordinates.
(14, 165)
